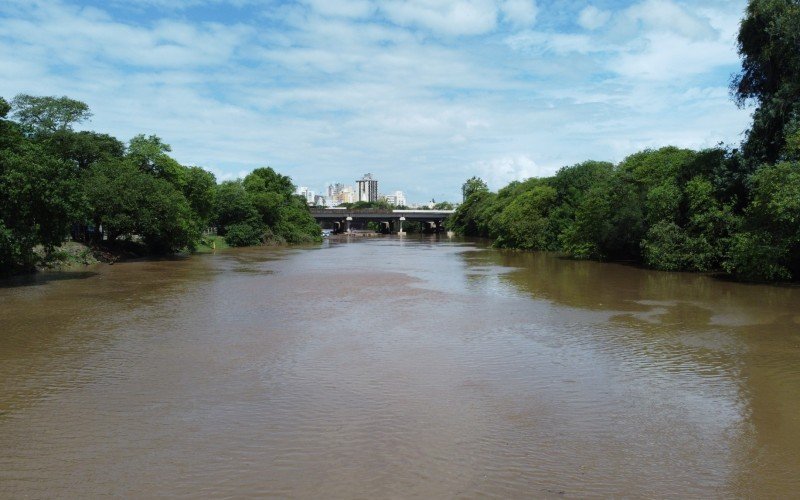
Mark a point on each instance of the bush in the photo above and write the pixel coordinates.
(244, 234)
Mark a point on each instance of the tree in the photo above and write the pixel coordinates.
(132, 204)
(443, 205)
(768, 247)
(5, 108)
(472, 186)
(149, 153)
(234, 206)
(83, 148)
(523, 222)
(769, 37)
(200, 191)
(38, 201)
(48, 114)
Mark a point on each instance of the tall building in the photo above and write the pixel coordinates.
(335, 189)
(347, 195)
(367, 188)
(397, 199)
(306, 193)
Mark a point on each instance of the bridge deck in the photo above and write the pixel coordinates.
(377, 214)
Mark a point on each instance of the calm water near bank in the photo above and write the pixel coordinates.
(390, 367)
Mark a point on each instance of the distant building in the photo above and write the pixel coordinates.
(347, 195)
(306, 193)
(320, 201)
(338, 193)
(397, 199)
(367, 188)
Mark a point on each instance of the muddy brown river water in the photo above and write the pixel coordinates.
(396, 368)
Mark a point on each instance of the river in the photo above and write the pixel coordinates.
(395, 368)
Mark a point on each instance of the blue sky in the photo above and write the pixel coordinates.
(422, 93)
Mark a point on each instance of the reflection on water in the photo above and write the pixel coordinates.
(424, 367)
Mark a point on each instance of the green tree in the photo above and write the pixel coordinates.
(149, 153)
(84, 148)
(48, 114)
(769, 41)
(133, 205)
(38, 201)
(200, 189)
(472, 186)
(234, 206)
(768, 247)
(5, 108)
(523, 222)
(443, 205)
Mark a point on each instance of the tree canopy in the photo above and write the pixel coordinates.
(57, 183)
(48, 114)
(769, 44)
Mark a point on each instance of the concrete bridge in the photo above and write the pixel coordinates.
(342, 220)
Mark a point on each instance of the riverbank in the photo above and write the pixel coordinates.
(74, 254)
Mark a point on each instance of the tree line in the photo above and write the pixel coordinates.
(721, 209)
(58, 183)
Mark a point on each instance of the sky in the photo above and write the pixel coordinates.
(424, 94)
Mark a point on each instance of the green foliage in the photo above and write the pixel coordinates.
(54, 181)
(263, 204)
(234, 206)
(523, 221)
(769, 37)
(472, 186)
(48, 114)
(38, 201)
(134, 205)
(243, 234)
(5, 108)
(83, 148)
(474, 215)
(295, 224)
(584, 238)
(669, 209)
(199, 188)
(149, 153)
(768, 247)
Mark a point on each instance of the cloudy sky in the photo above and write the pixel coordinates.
(422, 93)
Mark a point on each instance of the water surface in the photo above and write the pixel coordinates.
(391, 367)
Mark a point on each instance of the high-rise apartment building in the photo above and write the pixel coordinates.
(367, 188)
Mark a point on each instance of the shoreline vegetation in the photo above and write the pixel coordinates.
(78, 197)
(724, 210)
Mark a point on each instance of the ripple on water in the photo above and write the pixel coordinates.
(397, 368)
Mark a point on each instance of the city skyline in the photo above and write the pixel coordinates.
(335, 193)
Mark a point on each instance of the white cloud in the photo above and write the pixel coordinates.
(666, 15)
(592, 18)
(498, 172)
(521, 13)
(342, 8)
(670, 57)
(325, 91)
(451, 17)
